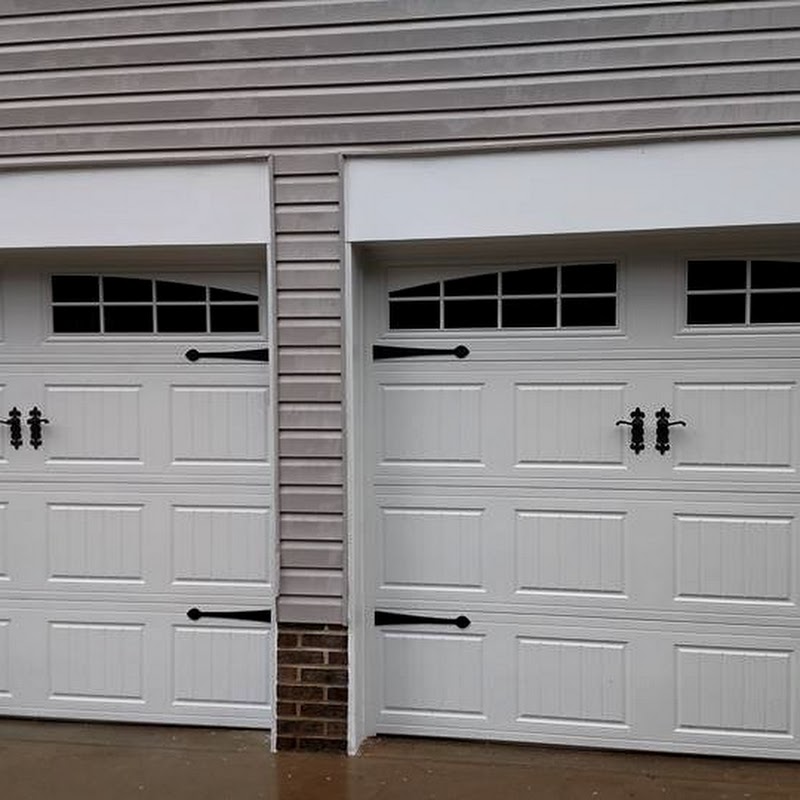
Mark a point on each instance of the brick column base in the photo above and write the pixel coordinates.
(311, 712)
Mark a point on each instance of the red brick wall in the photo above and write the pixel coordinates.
(311, 710)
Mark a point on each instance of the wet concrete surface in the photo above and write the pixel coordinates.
(66, 761)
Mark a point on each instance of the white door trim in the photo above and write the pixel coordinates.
(578, 190)
(168, 204)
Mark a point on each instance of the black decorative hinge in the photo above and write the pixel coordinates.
(383, 351)
(394, 618)
(261, 354)
(263, 615)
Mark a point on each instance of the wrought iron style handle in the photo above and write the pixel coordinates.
(637, 429)
(14, 422)
(662, 429)
(394, 618)
(35, 421)
(263, 615)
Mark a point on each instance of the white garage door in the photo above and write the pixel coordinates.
(617, 595)
(145, 494)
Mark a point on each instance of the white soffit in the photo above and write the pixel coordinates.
(650, 187)
(220, 203)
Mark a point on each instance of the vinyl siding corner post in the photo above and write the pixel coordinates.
(311, 712)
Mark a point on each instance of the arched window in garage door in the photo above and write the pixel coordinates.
(114, 304)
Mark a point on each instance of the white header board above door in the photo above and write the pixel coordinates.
(189, 204)
(646, 187)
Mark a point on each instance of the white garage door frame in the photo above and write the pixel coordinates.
(569, 196)
(158, 206)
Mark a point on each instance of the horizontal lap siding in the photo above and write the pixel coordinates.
(308, 81)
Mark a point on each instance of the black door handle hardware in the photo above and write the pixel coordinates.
(662, 429)
(380, 352)
(14, 422)
(394, 618)
(637, 429)
(263, 615)
(260, 354)
(35, 421)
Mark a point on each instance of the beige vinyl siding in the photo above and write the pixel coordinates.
(307, 81)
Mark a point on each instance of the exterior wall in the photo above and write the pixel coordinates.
(119, 79)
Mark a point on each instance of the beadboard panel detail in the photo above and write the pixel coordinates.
(309, 81)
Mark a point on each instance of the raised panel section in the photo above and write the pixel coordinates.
(94, 543)
(734, 558)
(570, 552)
(221, 666)
(734, 691)
(219, 424)
(102, 663)
(432, 548)
(93, 423)
(734, 426)
(220, 545)
(438, 675)
(431, 424)
(568, 425)
(5, 658)
(564, 681)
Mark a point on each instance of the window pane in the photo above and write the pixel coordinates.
(75, 288)
(529, 313)
(588, 312)
(470, 314)
(128, 319)
(589, 278)
(179, 292)
(76, 319)
(423, 314)
(425, 290)
(227, 294)
(474, 285)
(181, 319)
(775, 274)
(542, 280)
(129, 290)
(717, 275)
(234, 319)
(775, 307)
(716, 309)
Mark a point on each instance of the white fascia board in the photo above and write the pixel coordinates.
(648, 187)
(191, 204)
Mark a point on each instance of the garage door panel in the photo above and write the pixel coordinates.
(94, 423)
(722, 558)
(570, 552)
(439, 424)
(639, 684)
(220, 546)
(219, 425)
(145, 664)
(568, 424)
(5, 659)
(736, 426)
(96, 662)
(435, 676)
(95, 542)
(221, 667)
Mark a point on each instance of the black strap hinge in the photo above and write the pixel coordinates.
(395, 618)
(262, 615)
(380, 352)
(260, 354)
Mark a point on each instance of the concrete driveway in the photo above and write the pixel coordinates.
(62, 761)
